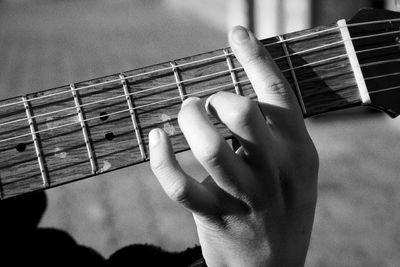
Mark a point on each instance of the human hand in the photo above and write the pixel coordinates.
(257, 206)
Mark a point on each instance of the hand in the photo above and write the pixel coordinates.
(257, 206)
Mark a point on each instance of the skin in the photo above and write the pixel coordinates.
(257, 206)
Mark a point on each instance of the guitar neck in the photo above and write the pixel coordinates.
(80, 130)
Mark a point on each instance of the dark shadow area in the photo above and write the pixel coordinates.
(26, 244)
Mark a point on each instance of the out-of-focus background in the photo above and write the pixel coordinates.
(46, 43)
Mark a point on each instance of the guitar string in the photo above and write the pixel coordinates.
(381, 76)
(174, 118)
(209, 58)
(385, 89)
(197, 61)
(162, 122)
(174, 98)
(199, 78)
(174, 84)
(123, 95)
(124, 110)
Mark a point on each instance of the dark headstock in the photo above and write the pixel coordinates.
(376, 39)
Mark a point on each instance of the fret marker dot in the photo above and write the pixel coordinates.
(20, 147)
(109, 136)
(103, 116)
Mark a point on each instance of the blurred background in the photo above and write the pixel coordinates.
(47, 43)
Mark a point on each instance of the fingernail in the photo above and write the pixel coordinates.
(207, 104)
(240, 34)
(154, 137)
(189, 100)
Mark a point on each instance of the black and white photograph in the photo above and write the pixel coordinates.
(194, 133)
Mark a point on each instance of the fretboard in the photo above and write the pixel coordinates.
(87, 128)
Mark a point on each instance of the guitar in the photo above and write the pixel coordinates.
(76, 131)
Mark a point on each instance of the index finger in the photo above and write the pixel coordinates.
(274, 93)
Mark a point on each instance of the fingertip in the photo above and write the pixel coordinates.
(243, 40)
(159, 145)
(190, 100)
(154, 137)
(239, 34)
(190, 109)
(207, 104)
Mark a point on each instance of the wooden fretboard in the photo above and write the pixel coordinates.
(76, 131)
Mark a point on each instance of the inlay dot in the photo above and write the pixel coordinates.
(20, 147)
(103, 116)
(109, 136)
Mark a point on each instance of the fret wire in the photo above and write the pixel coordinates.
(233, 74)
(132, 111)
(35, 139)
(84, 129)
(208, 75)
(205, 59)
(293, 73)
(178, 80)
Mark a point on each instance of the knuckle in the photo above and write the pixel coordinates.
(160, 165)
(209, 154)
(243, 114)
(279, 88)
(178, 192)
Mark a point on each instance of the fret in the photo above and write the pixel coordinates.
(178, 80)
(81, 118)
(232, 72)
(35, 139)
(133, 116)
(362, 87)
(293, 73)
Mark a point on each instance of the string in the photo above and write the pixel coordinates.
(381, 62)
(190, 80)
(175, 98)
(385, 89)
(209, 58)
(124, 110)
(381, 76)
(335, 44)
(120, 96)
(178, 97)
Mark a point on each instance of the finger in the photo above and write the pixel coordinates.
(244, 119)
(179, 186)
(273, 91)
(209, 147)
